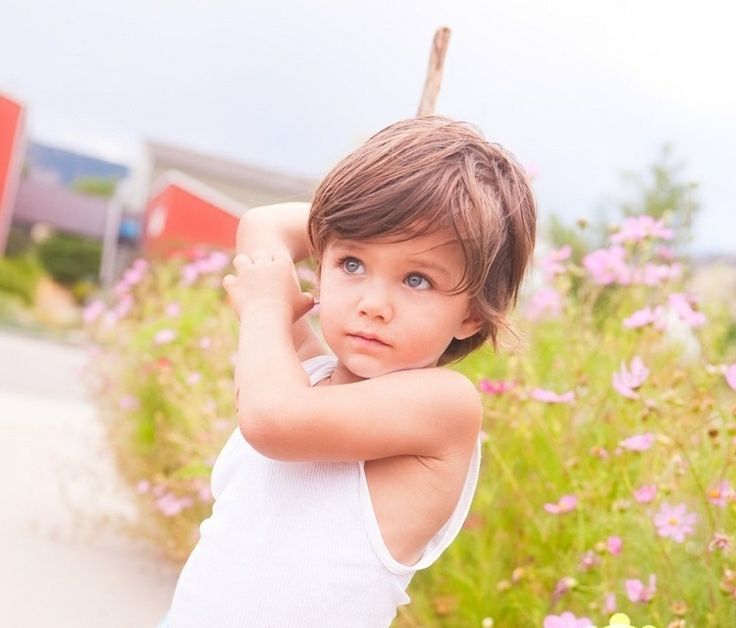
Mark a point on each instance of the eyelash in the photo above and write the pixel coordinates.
(341, 264)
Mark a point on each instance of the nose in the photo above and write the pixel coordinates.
(375, 301)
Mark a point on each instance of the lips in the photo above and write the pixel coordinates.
(368, 339)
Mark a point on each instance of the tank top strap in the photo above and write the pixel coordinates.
(319, 367)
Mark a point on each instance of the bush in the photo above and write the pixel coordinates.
(71, 258)
(19, 276)
(162, 376)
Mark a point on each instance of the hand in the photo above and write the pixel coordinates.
(269, 281)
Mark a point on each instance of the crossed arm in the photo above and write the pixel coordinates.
(430, 412)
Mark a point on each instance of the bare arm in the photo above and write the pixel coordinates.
(277, 228)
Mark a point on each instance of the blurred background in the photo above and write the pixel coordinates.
(143, 129)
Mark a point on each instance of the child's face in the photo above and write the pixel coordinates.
(384, 305)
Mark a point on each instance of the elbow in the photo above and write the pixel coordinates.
(262, 428)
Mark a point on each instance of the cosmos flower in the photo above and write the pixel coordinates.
(614, 544)
(549, 396)
(645, 493)
(674, 522)
(566, 503)
(544, 302)
(637, 228)
(638, 442)
(566, 620)
(719, 541)
(550, 263)
(164, 336)
(495, 387)
(607, 266)
(629, 378)
(637, 591)
(721, 493)
(645, 316)
(730, 374)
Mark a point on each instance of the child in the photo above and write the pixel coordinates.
(350, 473)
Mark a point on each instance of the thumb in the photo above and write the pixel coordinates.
(304, 304)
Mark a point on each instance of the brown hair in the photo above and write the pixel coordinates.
(432, 173)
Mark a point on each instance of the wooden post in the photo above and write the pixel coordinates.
(434, 72)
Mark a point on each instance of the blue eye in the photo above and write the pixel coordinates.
(417, 281)
(351, 265)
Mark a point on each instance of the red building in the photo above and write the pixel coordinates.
(12, 145)
(183, 211)
(189, 198)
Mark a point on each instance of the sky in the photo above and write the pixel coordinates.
(580, 91)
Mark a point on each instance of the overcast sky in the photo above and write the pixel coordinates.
(579, 90)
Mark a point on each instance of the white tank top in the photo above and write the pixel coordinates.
(297, 544)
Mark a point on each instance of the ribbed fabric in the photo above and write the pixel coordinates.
(297, 544)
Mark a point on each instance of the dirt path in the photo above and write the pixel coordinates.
(63, 560)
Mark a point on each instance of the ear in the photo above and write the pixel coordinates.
(469, 326)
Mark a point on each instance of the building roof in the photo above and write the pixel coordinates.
(65, 209)
(177, 158)
(198, 189)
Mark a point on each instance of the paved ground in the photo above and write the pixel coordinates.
(64, 560)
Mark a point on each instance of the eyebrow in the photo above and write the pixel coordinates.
(348, 245)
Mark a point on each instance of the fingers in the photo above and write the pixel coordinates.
(261, 256)
(304, 304)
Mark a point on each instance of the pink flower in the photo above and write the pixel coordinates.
(549, 396)
(204, 493)
(645, 493)
(131, 277)
(564, 585)
(205, 342)
(173, 309)
(589, 560)
(627, 379)
(495, 387)
(685, 306)
(164, 336)
(122, 309)
(566, 620)
(129, 402)
(721, 493)
(637, 591)
(189, 274)
(639, 442)
(609, 603)
(212, 263)
(730, 374)
(170, 505)
(194, 378)
(550, 263)
(674, 522)
(614, 544)
(666, 253)
(719, 542)
(93, 311)
(642, 317)
(608, 266)
(143, 486)
(637, 228)
(566, 503)
(546, 301)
